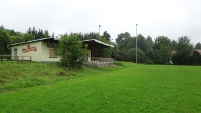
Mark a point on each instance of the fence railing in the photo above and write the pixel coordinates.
(103, 60)
(15, 58)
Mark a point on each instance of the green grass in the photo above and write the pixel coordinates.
(15, 75)
(125, 88)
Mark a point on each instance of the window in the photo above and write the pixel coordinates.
(52, 53)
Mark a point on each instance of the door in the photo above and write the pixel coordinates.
(15, 54)
(89, 55)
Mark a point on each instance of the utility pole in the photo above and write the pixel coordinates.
(136, 43)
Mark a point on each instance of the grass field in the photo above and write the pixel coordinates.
(119, 89)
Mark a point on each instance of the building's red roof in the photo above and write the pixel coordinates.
(199, 51)
(174, 52)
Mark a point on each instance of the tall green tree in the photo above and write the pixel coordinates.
(150, 52)
(131, 54)
(195, 58)
(162, 50)
(183, 51)
(124, 44)
(46, 34)
(29, 31)
(198, 46)
(145, 46)
(125, 41)
(33, 32)
(91, 35)
(106, 35)
(27, 37)
(121, 37)
(4, 41)
(174, 45)
(141, 43)
(184, 46)
(106, 52)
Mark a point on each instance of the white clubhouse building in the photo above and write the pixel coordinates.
(43, 50)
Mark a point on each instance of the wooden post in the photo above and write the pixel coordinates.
(1, 59)
(17, 59)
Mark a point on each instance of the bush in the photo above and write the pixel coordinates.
(193, 59)
(71, 51)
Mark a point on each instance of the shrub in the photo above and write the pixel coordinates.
(71, 51)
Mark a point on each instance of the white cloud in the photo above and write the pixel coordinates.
(172, 18)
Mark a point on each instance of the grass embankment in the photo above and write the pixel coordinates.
(15, 75)
(21, 75)
(139, 88)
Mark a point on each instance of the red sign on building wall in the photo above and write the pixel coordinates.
(29, 48)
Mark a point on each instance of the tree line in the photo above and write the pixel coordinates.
(10, 36)
(161, 50)
(31, 34)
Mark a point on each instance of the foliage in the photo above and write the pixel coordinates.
(4, 41)
(151, 52)
(198, 46)
(162, 50)
(195, 58)
(124, 43)
(174, 45)
(184, 46)
(38, 33)
(107, 35)
(31, 34)
(157, 52)
(122, 37)
(183, 52)
(106, 52)
(71, 51)
(91, 35)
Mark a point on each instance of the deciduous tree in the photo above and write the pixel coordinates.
(162, 50)
(4, 41)
(183, 51)
(198, 46)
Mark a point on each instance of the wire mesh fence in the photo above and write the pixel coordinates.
(15, 58)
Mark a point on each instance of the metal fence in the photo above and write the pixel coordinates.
(103, 60)
(15, 58)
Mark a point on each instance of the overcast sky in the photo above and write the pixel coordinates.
(172, 18)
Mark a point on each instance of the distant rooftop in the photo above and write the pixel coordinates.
(93, 43)
(32, 41)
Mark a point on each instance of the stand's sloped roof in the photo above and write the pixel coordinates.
(93, 44)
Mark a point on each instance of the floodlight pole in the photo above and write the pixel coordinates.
(99, 29)
(136, 44)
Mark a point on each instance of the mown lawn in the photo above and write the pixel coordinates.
(134, 88)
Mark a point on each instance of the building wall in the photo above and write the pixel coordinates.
(41, 54)
(46, 51)
(35, 55)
